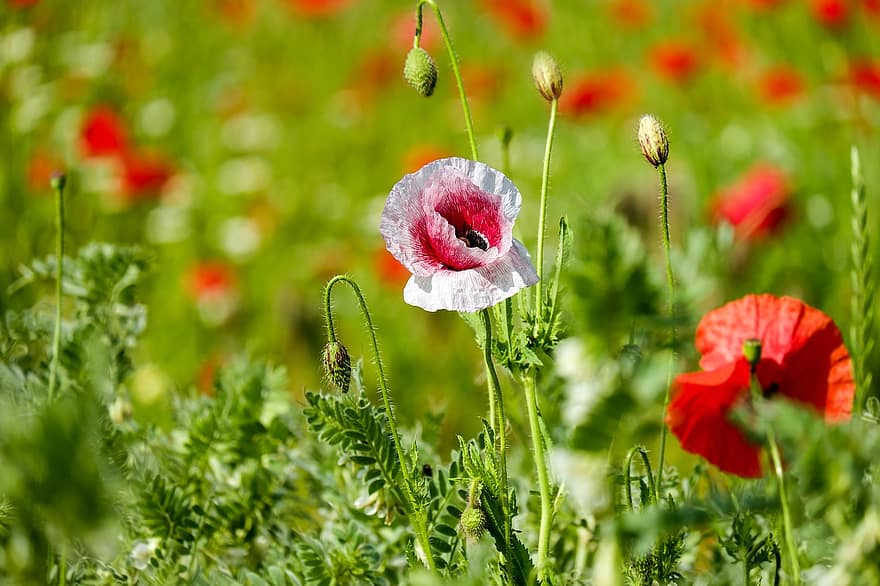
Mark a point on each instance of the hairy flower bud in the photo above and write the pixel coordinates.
(420, 71)
(653, 140)
(547, 76)
(472, 523)
(337, 365)
(58, 180)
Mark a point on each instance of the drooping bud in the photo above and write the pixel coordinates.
(653, 140)
(337, 365)
(752, 352)
(420, 71)
(547, 76)
(473, 521)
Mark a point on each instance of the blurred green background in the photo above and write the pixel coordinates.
(249, 146)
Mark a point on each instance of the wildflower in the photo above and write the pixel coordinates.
(39, 170)
(864, 76)
(103, 134)
(781, 85)
(213, 286)
(803, 358)
(653, 140)
(316, 8)
(143, 175)
(523, 19)
(450, 224)
(595, 92)
(634, 14)
(757, 204)
(547, 76)
(675, 61)
(831, 13)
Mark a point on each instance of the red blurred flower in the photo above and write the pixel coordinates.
(376, 71)
(40, 168)
(781, 85)
(236, 12)
(720, 35)
(420, 155)
(595, 92)
(316, 8)
(523, 19)
(483, 82)
(831, 13)
(803, 358)
(757, 204)
(763, 4)
(209, 280)
(674, 60)
(103, 134)
(634, 14)
(389, 269)
(865, 77)
(21, 3)
(143, 174)
(871, 8)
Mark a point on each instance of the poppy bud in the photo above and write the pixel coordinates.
(58, 180)
(420, 71)
(337, 365)
(547, 76)
(653, 140)
(752, 352)
(472, 523)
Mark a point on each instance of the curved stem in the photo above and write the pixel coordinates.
(498, 423)
(545, 184)
(455, 71)
(790, 544)
(530, 384)
(58, 185)
(670, 282)
(652, 495)
(416, 514)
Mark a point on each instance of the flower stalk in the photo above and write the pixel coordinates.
(538, 447)
(862, 288)
(58, 183)
(415, 512)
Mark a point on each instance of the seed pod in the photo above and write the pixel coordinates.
(337, 365)
(653, 140)
(420, 71)
(547, 76)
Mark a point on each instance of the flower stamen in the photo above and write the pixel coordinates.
(473, 239)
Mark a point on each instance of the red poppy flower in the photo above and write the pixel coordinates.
(781, 85)
(720, 36)
(523, 19)
(316, 8)
(871, 8)
(803, 358)
(420, 155)
(865, 76)
(831, 13)
(40, 168)
(757, 204)
(674, 60)
(143, 175)
(595, 92)
(209, 281)
(389, 269)
(633, 14)
(103, 134)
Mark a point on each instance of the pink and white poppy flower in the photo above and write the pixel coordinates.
(450, 224)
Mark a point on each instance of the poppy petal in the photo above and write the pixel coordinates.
(699, 416)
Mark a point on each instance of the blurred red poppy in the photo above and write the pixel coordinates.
(595, 92)
(803, 358)
(238, 13)
(523, 19)
(209, 280)
(40, 168)
(871, 8)
(103, 134)
(781, 85)
(674, 60)
(831, 13)
(143, 174)
(720, 35)
(756, 205)
(389, 270)
(420, 155)
(316, 8)
(865, 77)
(633, 14)
(376, 71)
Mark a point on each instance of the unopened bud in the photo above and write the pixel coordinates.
(420, 71)
(752, 352)
(472, 523)
(547, 76)
(337, 365)
(58, 180)
(653, 140)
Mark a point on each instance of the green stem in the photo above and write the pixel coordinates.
(455, 71)
(786, 514)
(747, 569)
(652, 495)
(58, 186)
(499, 425)
(545, 183)
(530, 384)
(670, 281)
(417, 517)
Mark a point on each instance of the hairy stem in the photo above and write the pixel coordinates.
(542, 215)
(531, 390)
(58, 185)
(455, 71)
(670, 282)
(652, 495)
(786, 514)
(416, 513)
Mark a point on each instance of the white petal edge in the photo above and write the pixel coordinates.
(473, 289)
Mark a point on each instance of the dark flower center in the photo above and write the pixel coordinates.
(771, 390)
(473, 239)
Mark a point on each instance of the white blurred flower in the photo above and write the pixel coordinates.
(243, 175)
(251, 132)
(585, 381)
(157, 117)
(584, 476)
(167, 224)
(16, 46)
(240, 237)
(143, 551)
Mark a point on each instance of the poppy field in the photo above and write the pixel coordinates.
(515, 292)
